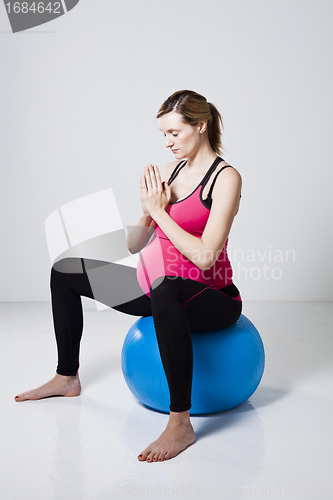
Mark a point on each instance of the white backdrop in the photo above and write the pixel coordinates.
(78, 102)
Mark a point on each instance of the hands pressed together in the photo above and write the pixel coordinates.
(154, 194)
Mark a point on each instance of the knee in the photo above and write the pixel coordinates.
(57, 276)
(70, 265)
(61, 269)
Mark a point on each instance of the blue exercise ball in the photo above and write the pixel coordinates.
(228, 365)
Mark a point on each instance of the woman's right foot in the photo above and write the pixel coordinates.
(60, 385)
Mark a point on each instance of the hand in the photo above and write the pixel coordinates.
(143, 205)
(154, 194)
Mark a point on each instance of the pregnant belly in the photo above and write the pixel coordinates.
(161, 258)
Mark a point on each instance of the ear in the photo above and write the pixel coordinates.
(202, 127)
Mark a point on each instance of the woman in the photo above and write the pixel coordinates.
(191, 215)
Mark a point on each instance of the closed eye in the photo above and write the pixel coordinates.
(169, 131)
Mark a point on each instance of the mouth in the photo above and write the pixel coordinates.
(174, 150)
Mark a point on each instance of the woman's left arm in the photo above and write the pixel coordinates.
(204, 251)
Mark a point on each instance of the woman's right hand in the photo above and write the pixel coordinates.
(143, 205)
(145, 211)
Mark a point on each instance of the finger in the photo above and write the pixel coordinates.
(157, 172)
(156, 176)
(148, 178)
(151, 178)
(143, 186)
(159, 180)
(147, 168)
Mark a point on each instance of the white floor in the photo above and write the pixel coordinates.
(277, 445)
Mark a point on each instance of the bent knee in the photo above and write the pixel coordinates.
(69, 265)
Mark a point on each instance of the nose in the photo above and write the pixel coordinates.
(168, 142)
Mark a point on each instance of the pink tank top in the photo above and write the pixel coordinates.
(161, 258)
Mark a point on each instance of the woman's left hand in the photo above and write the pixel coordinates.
(156, 194)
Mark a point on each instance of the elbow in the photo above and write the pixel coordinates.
(128, 247)
(204, 258)
(209, 260)
(205, 264)
(132, 251)
(205, 267)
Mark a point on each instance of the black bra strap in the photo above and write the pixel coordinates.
(211, 170)
(175, 171)
(212, 185)
(206, 177)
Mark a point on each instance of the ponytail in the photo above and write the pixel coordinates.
(214, 126)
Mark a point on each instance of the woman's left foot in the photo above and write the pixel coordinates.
(175, 438)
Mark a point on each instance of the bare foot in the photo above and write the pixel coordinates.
(178, 435)
(60, 385)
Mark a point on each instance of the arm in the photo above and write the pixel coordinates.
(204, 251)
(139, 235)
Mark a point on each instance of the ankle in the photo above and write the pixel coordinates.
(179, 418)
(67, 378)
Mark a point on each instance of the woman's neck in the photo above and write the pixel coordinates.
(201, 159)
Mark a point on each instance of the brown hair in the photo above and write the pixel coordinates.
(194, 108)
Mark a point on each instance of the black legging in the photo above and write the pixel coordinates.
(178, 306)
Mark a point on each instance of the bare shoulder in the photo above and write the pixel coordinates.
(229, 177)
(233, 171)
(227, 192)
(168, 169)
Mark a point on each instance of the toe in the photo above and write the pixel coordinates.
(143, 456)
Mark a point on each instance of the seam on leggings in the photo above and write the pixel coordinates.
(211, 288)
(229, 296)
(208, 288)
(67, 318)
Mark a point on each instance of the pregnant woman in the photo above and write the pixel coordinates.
(184, 278)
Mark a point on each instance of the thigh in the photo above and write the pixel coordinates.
(212, 310)
(207, 309)
(112, 284)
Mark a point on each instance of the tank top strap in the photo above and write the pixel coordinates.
(176, 171)
(210, 171)
(212, 185)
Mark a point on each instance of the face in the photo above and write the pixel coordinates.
(183, 139)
